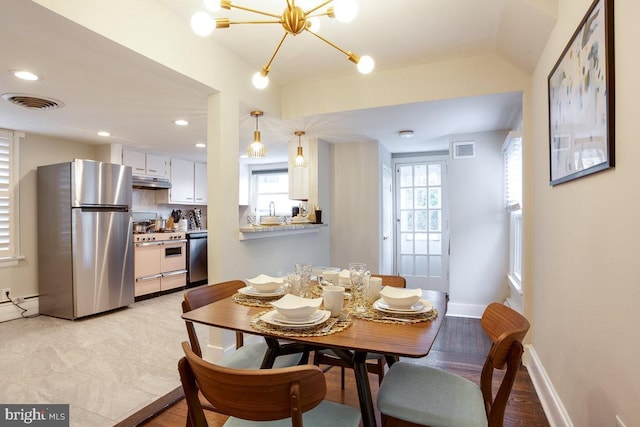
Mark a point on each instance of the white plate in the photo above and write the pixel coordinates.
(253, 292)
(420, 307)
(275, 318)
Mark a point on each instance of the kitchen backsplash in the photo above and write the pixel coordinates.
(145, 201)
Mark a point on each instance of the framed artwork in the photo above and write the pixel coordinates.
(582, 99)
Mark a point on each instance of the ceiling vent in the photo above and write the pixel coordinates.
(464, 150)
(32, 102)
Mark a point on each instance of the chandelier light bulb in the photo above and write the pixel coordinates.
(260, 81)
(212, 5)
(366, 64)
(345, 10)
(202, 24)
(299, 161)
(314, 24)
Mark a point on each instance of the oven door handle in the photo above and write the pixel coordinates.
(139, 245)
(169, 242)
(155, 276)
(174, 273)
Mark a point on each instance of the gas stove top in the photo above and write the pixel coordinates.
(159, 236)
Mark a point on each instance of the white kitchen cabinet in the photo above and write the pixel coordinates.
(182, 181)
(200, 183)
(188, 184)
(157, 166)
(146, 164)
(303, 182)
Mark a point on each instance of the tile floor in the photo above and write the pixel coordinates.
(106, 367)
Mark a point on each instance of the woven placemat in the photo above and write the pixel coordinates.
(254, 301)
(329, 327)
(377, 316)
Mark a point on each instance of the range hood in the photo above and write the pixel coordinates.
(150, 183)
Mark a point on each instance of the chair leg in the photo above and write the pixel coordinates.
(342, 377)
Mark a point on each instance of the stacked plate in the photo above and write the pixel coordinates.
(253, 292)
(421, 306)
(277, 319)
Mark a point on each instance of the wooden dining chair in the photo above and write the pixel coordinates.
(375, 362)
(249, 356)
(292, 396)
(417, 395)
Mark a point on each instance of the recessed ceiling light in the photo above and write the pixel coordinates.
(181, 122)
(405, 134)
(201, 145)
(25, 75)
(104, 133)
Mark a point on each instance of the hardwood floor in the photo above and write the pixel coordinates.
(461, 348)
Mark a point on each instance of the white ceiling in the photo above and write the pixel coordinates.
(106, 86)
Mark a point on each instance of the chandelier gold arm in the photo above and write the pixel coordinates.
(350, 55)
(267, 68)
(321, 5)
(229, 5)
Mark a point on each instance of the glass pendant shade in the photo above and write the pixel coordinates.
(256, 150)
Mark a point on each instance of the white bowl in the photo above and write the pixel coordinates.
(264, 283)
(295, 307)
(271, 220)
(400, 297)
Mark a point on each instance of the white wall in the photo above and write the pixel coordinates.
(355, 205)
(36, 150)
(479, 239)
(582, 275)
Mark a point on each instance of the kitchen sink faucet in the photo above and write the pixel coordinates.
(272, 206)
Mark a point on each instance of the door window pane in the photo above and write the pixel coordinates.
(435, 198)
(421, 241)
(406, 176)
(421, 198)
(434, 221)
(421, 266)
(435, 172)
(406, 198)
(435, 266)
(406, 221)
(435, 243)
(420, 176)
(406, 243)
(421, 220)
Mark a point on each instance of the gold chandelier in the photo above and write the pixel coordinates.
(256, 149)
(294, 20)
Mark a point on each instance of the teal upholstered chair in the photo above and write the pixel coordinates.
(416, 395)
(247, 356)
(279, 397)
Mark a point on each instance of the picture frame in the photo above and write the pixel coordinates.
(581, 94)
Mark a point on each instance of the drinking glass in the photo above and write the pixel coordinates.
(295, 283)
(359, 277)
(304, 270)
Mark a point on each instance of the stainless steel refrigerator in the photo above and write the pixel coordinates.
(85, 238)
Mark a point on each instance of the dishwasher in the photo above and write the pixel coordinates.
(196, 258)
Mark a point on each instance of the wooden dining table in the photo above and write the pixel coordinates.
(351, 344)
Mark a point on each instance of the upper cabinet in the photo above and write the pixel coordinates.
(303, 181)
(188, 184)
(146, 164)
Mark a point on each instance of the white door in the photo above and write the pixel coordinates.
(422, 235)
(386, 266)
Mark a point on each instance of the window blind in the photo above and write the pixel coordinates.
(5, 193)
(512, 151)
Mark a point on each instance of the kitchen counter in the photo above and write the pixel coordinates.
(263, 231)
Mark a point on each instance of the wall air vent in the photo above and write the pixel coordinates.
(32, 102)
(464, 150)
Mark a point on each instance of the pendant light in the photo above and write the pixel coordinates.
(256, 150)
(299, 161)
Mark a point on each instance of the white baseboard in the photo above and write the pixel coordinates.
(8, 311)
(551, 403)
(465, 310)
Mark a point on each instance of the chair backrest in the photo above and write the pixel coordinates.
(251, 394)
(203, 295)
(506, 328)
(395, 281)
